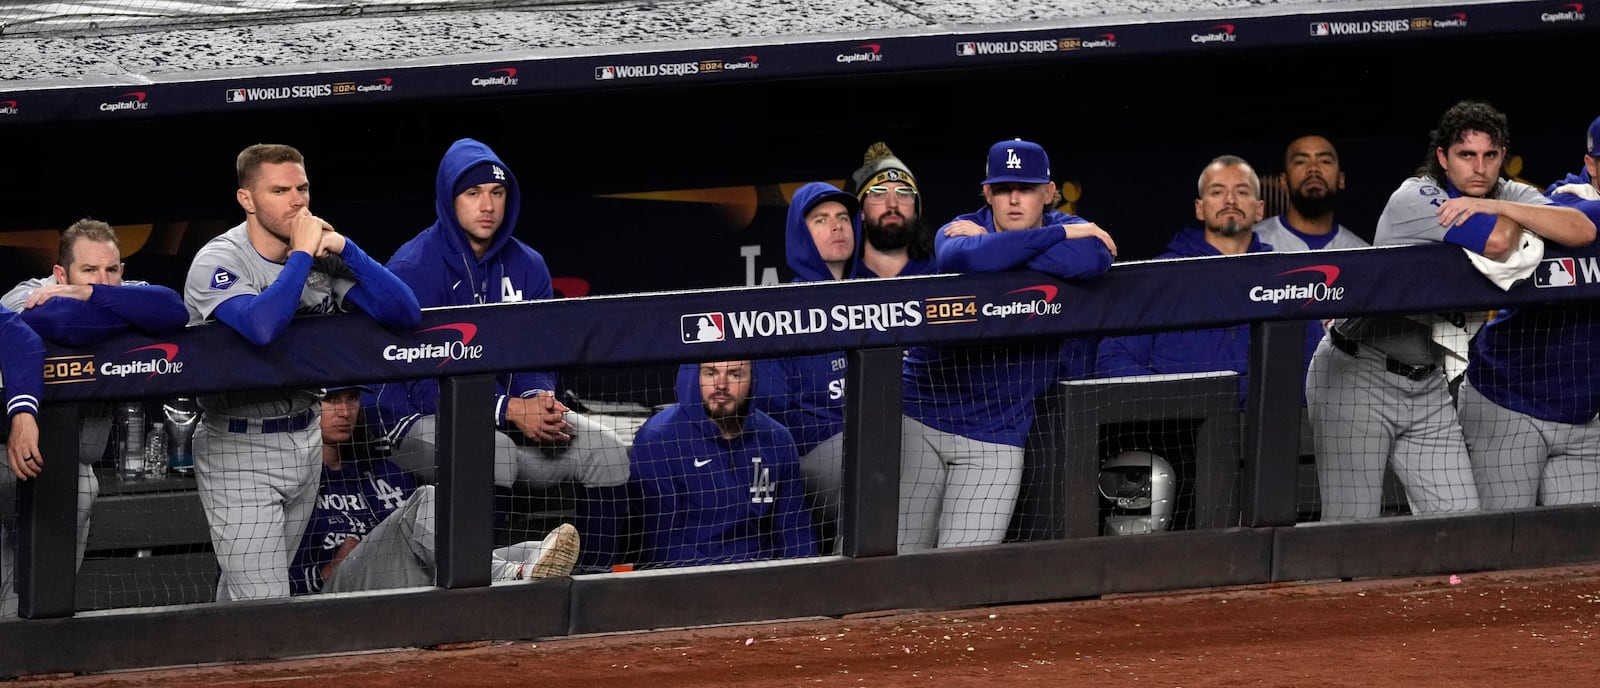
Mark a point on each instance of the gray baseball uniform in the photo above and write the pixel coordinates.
(257, 454)
(1377, 393)
(1523, 460)
(399, 552)
(1273, 231)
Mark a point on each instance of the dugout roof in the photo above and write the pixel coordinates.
(129, 58)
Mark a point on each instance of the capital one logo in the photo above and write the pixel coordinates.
(1044, 304)
(1570, 12)
(504, 76)
(162, 364)
(1222, 33)
(132, 100)
(1309, 291)
(457, 349)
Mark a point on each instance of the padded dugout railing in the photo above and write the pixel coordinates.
(875, 320)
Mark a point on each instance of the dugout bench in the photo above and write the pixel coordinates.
(148, 545)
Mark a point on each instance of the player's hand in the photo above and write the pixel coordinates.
(345, 548)
(23, 447)
(306, 232)
(964, 228)
(80, 292)
(1457, 210)
(541, 418)
(332, 242)
(1085, 230)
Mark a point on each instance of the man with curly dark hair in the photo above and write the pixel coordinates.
(1378, 390)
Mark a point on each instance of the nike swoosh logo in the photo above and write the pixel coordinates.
(701, 464)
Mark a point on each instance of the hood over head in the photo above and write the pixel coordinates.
(467, 163)
(800, 249)
(693, 407)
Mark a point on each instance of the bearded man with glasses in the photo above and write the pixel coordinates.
(896, 243)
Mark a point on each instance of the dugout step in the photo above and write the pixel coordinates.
(148, 545)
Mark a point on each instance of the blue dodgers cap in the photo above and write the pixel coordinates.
(1594, 138)
(359, 388)
(481, 173)
(1017, 161)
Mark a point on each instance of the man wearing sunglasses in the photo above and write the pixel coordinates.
(896, 243)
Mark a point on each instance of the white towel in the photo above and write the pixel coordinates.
(1584, 191)
(1518, 266)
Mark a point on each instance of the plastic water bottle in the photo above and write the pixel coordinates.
(130, 452)
(155, 454)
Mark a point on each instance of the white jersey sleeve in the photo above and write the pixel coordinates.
(1410, 216)
(14, 299)
(221, 271)
(1513, 190)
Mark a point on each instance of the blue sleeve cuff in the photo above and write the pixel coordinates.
(1473, 234)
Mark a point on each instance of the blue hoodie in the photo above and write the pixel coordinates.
(21, 366)
(709, 500)
(1184, 351)
(806, 393)
(986, 393)
(925, 266)
(1539, 361)
(442, 270)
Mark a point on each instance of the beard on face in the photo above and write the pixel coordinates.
(888, 237)
(720, 407)
(1315, 205)
(1230, 229)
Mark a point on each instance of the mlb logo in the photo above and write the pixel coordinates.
(237, 95)
(1320, 29)
(699, 328)
(222, 279)
(1556, 272)
(604, 73)
(966, 49)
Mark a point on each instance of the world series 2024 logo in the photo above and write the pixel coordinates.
(701, 328)
(1032, 302)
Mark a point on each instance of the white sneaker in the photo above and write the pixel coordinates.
(558, 555)
(508, 571)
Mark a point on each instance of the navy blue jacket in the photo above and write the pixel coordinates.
(1183, 351)
(709, 500)
(1541, 361)
(805, 393)
(442, 270)
(21, 365)
(987, 393)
